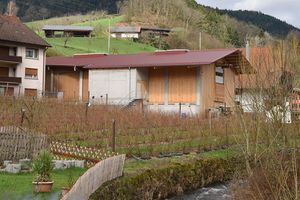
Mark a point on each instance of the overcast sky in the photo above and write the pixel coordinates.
(286, 10)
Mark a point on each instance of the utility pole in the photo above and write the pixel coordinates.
(200, 41)
(108, 43)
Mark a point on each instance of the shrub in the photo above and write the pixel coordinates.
(43, 166)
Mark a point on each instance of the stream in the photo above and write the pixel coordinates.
(216, 192)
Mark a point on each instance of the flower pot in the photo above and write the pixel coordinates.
(42, 186)
(65, 190)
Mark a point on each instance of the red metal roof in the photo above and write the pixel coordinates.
(155, 59)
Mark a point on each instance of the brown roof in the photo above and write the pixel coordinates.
(155, 59)
(13, 30)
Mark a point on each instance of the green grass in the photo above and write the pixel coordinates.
(102, 22)
(96, 45)
(133, 166)
(19, 186)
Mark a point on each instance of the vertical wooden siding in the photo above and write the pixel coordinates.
(156, 85)
(182, 85)
(67, 82)
(208, 88)
(229, 87)
(85, 86)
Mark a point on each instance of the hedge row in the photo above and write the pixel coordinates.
(169, 181)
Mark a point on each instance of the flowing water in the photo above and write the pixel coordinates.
(217, 192)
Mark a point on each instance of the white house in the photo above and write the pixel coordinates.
(22, 59)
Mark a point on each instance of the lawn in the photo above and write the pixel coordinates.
(98, 45)
(102, 22)
(18, 186)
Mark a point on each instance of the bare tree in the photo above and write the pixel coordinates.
(12, 8)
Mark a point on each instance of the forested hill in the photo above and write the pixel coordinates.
(268, 23)
(29, 10)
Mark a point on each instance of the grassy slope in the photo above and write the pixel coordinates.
(91, 45)
(102, 22)
(94, 45)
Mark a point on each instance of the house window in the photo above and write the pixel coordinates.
(219, 75)
(30, 92)
(32, 53)
(31, 73)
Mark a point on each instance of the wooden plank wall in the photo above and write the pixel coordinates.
(85, 86)
(208, 88)
(156, 86)
(67, 82)
(182, 85)
(229, 87)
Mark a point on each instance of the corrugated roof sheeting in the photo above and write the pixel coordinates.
(156, 59)
(67, 28)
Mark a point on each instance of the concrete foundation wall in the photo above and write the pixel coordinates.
(186, 109)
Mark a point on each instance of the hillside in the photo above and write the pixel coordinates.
(30, 10)
(268, 23)
(96, 44)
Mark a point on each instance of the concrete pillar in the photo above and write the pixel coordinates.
(80, 85)
(166, 89)
(51, 82)
(198, 86)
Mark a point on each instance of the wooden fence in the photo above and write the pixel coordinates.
(91, 180)
(68, 151)
(17, 143)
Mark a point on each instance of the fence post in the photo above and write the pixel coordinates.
(22, 116)
(86, 111)
(106, 99)
(113, 144)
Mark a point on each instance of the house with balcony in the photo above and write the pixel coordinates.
(22, 59)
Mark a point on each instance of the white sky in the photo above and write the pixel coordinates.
(286, 10)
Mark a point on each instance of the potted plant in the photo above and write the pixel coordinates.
(43, 167)
(70, 182)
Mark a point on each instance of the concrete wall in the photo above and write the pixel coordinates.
(119, 84)
(30, 63)
(125, 35)
(186, 109)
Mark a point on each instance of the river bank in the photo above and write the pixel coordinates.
(171, 177)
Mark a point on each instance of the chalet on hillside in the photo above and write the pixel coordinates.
(193, 81)
(137, 31)
(22, 59)
(62, 31)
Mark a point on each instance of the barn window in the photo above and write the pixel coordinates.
(31, 73)
(219, 75)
